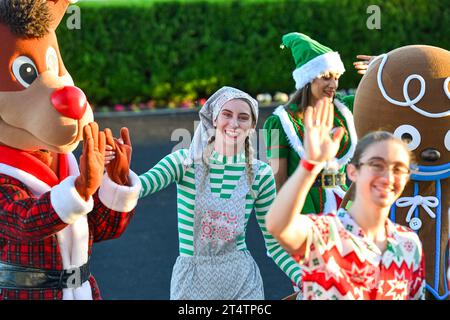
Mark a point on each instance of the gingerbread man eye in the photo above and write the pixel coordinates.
(409, 135)
(24, 70)
(447, 140)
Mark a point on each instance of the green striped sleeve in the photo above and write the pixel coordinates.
(265, 197)
(166, 171)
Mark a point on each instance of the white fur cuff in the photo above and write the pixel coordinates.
(117, 197)
(67, 203)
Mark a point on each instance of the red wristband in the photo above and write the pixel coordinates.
(307, 165)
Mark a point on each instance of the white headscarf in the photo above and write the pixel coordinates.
(208, 114)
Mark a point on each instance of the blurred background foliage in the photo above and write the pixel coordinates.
(170, 52)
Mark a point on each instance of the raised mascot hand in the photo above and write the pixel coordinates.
(363, 64)
(118, 168)
(91, 161)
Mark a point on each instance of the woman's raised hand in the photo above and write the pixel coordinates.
(321, 144)
(362, 65)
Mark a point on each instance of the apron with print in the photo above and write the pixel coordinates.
(217, 270)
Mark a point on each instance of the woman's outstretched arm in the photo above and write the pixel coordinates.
(165, 172)
(284, 221)
(266, 195)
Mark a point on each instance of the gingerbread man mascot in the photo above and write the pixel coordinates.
(407, 92)
(51, 209)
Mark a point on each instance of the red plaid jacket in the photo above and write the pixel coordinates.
(28, 227)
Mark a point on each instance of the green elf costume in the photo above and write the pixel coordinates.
(284, 132)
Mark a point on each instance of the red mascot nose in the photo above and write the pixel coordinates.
(70, 102)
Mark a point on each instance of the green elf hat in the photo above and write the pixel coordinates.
(311, 58)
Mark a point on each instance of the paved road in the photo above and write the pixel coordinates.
(139, 264)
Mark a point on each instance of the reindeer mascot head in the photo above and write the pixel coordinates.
(407, 92)
(51, 210)
(40, 108)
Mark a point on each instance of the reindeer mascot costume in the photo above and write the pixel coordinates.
(407, 92)
(51, 211)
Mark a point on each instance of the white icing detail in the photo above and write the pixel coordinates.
(447, 140)
(415, 134)
(408, 102)
(414, 202)
(446, 87)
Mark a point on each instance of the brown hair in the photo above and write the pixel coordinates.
(301, 98)
(25, 18)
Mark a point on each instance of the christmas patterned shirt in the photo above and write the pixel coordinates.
(340, 262)
(224, 176)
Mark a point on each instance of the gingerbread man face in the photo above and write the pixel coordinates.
(407, 92)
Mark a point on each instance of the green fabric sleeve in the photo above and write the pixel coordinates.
(276, 141)
(265, 196)
(165, 172)
(347, 100)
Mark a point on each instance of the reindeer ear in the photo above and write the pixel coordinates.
(57, 9)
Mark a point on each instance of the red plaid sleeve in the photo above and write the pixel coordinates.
(23, 216)
(106, 223)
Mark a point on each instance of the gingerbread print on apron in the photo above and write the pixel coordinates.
(218, 270)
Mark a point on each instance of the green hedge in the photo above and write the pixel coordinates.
(133, 51)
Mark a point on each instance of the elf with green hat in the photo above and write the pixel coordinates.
(316, 76)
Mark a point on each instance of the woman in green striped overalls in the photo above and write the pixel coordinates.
(219, 183)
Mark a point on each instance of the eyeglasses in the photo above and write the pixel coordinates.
(380, 167)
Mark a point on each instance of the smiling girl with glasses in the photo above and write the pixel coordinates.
(356, 253)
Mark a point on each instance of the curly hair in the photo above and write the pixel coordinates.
(25, 18)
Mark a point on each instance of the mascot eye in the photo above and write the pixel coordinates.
(447, 140)
(52, 60)
(24, 70)
(409, 135)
